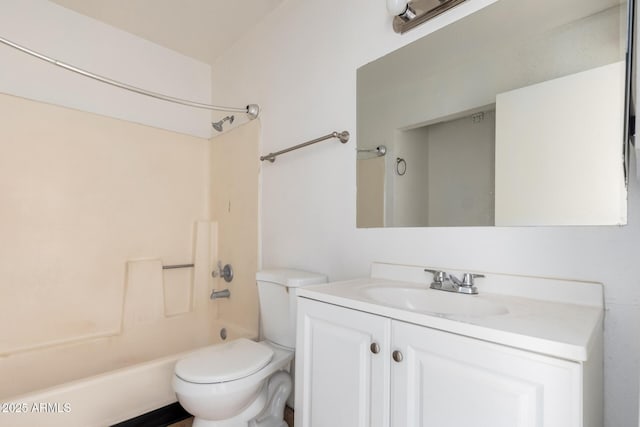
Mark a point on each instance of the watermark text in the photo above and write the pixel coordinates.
(35, 407)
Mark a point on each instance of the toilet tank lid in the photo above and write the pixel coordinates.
(224, 362)
(290, 278)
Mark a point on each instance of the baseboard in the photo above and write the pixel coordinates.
(159, 418)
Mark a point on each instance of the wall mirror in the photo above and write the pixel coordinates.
(511, 116)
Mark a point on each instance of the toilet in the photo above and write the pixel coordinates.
(243, 383)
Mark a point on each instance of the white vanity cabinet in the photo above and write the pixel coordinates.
(449, 380)
(342, 368)
(355, 368)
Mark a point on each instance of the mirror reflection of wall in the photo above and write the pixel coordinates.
(551, 173)
(451, 178)
(421, 90)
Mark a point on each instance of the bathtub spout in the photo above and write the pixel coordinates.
(220, 294)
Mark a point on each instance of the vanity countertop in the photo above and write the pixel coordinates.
(558, 318)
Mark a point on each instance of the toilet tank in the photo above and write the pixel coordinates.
(277, 293)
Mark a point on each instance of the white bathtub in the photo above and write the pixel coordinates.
(85, 373)
(99, 400)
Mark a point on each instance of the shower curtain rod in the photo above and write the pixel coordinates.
(252, 110)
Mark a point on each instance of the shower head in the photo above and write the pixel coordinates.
(218, 125)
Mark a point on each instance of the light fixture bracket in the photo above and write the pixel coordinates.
(419, 11)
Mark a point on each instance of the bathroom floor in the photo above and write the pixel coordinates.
(288, 417)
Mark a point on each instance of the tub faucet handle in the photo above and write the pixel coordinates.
(225, 272)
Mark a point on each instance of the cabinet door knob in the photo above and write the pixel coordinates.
(375, 348)
(397, 356)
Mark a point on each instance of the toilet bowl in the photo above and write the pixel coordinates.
(243, 383)
(235, 384)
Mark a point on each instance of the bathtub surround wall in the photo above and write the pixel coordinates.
(308, 198)
(234, 206)
(92, 207)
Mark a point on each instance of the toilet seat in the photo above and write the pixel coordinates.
(224, 362)
(229, 399)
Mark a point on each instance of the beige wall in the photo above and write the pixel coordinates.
(235, 168)
(90, 209)
(370, 177)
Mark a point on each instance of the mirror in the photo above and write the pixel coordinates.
(511, 116)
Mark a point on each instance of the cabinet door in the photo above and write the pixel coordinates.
(340, 381)
(448, 380)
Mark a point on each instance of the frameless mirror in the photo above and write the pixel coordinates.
(513, 115)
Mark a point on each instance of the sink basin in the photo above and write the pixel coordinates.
(432, 301)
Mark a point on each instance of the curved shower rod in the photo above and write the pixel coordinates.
(252, 110)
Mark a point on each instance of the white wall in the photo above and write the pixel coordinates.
(461, 171)
(300, 65)
(96, 47)
(449, 174)
(410, 192)
(582, 181)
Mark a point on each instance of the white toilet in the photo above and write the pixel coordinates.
(243, 383)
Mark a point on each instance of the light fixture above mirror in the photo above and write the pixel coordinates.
(410, 14)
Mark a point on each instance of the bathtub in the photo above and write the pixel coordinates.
(99, 400)
(72, 370)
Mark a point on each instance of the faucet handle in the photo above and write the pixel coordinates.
(467, 279)
(225, 272)
(438, 275)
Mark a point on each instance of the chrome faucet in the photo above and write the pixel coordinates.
(450, 283)
(439, 278)
(466, 285)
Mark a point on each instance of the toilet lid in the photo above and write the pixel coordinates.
(224, 362)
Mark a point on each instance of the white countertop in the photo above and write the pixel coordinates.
(546, 326)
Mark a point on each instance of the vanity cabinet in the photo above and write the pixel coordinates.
(445, 379)
(342, 374)
(359, 369)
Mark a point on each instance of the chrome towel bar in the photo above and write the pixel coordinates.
(379, 151)
(342, 136)
(171, 267)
